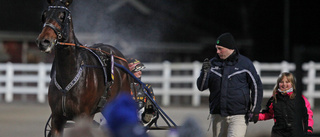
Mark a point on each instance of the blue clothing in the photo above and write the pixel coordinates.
(122, 119)
(230, 82)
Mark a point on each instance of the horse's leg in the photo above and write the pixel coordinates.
(57, 124)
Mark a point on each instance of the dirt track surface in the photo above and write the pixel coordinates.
(29, 119)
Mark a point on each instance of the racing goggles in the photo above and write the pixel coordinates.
(138, 67)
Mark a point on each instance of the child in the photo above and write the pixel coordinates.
(281, 107)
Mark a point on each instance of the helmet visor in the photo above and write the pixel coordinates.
(138, 67)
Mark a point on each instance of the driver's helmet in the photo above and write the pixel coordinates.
(135, 65)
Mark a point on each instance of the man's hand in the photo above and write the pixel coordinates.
(253, 117)
(206, 65)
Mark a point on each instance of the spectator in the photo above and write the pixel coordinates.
(282, 108)
(230, 77)
(83, 128)
(121, 117)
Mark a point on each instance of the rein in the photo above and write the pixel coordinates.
(72, 44)
(62, 33)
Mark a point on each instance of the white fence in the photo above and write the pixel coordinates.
(24, 79)
(168, 80)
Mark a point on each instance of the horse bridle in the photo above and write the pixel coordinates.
(63, 32)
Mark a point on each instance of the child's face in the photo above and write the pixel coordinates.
(285, 84)
(138, 74)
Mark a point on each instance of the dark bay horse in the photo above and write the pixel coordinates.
(82, 78)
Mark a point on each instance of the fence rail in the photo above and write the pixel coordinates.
(168, 80)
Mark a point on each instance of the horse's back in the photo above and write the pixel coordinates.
(107, 48)
(123, 79)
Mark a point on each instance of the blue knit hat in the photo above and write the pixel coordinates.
(121, 117)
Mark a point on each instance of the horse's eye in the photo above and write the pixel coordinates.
(61, 16)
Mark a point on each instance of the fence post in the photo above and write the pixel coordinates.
(310, 82)
(196, 98)
(41, 82)
(258, 67)
(166, 83)
(284, 66)
(9, 82)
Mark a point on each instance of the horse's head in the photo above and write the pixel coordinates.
(57, 25)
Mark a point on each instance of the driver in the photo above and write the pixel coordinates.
(146, 111)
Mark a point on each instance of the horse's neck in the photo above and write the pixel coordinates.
(66, 63)
(66, 57)
(67, 60)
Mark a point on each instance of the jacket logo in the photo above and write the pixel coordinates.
(215, 68)
(236, 68)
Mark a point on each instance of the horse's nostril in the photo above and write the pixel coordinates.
(45, 42)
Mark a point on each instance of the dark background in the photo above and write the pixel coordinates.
(257, 25)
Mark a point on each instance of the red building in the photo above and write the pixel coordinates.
(21, 48)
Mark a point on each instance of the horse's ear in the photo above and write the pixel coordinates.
(50, 1)
(68, 2)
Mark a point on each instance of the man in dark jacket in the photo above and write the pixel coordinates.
(230, 77)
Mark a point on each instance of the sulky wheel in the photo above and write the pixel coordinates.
(47, 128)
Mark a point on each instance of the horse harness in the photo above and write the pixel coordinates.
(108, 79)
(62, 35)
(63, 32)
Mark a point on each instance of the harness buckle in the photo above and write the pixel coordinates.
(59, 35)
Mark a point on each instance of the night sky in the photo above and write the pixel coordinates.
(259, 22)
